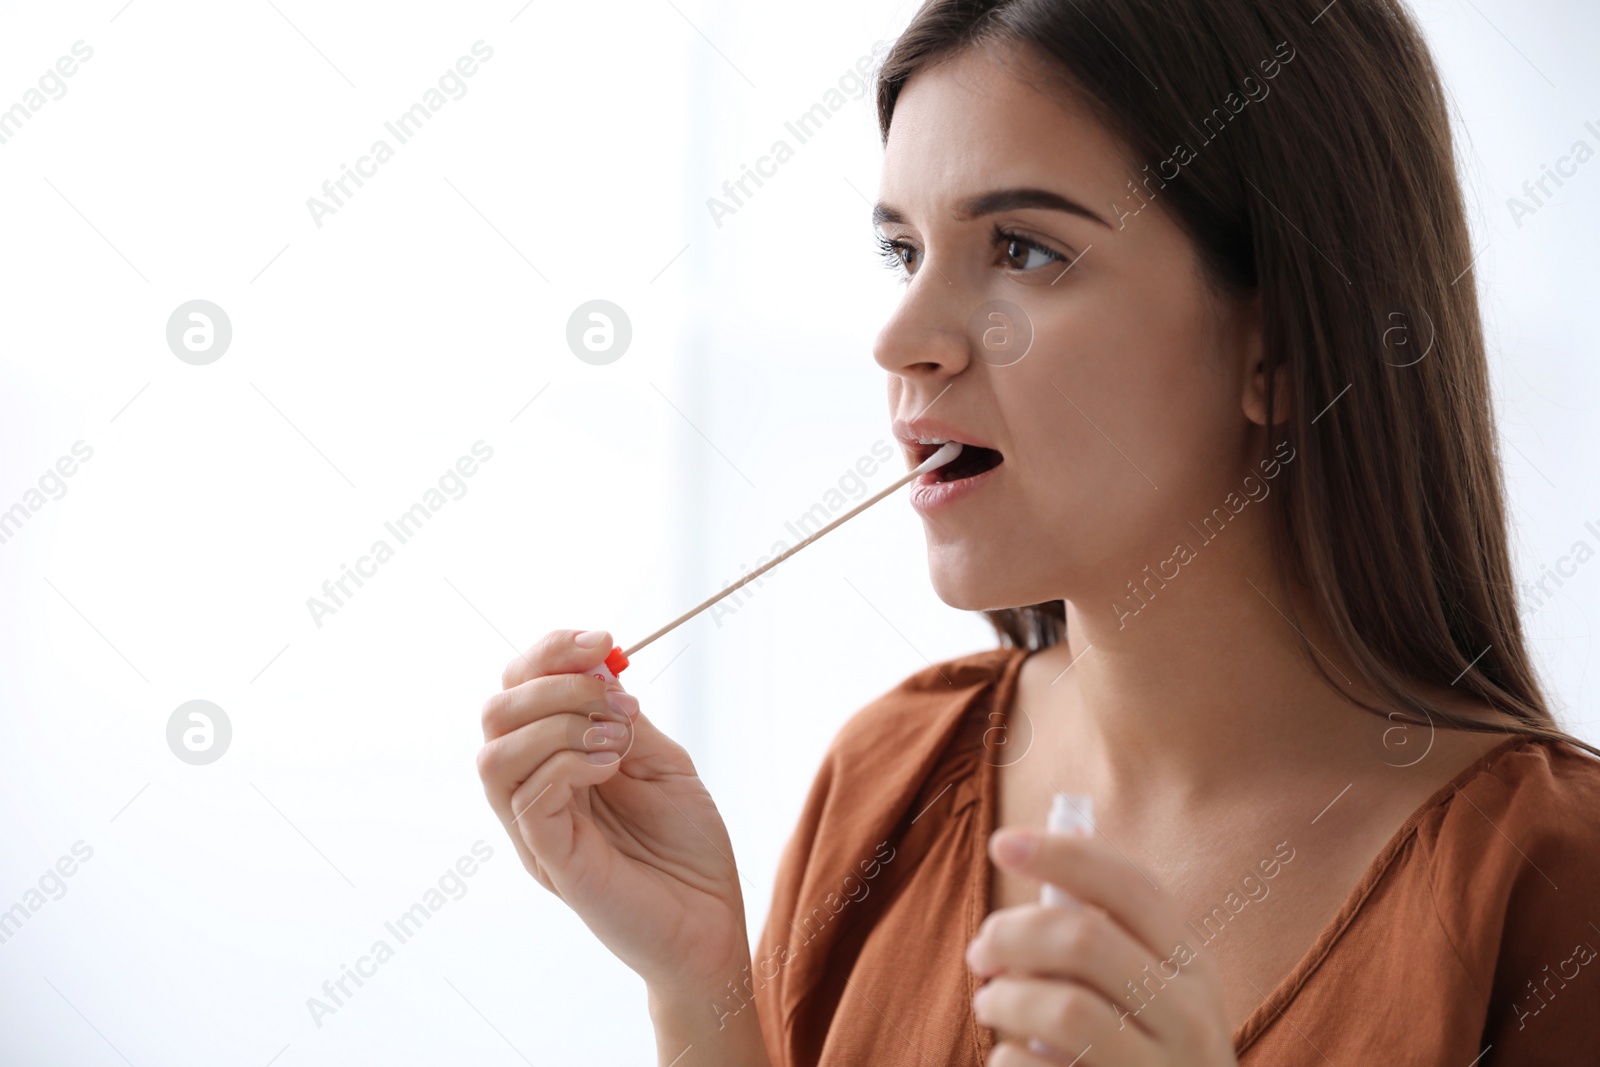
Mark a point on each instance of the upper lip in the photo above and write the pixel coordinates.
(908, 432)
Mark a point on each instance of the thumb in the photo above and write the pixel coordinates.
(559, 652)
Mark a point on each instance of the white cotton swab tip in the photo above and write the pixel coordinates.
(947, 452)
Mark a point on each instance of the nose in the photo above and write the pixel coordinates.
(926, 337)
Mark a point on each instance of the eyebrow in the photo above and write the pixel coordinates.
(997, 201)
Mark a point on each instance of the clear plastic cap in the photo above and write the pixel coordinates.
(1070, 813)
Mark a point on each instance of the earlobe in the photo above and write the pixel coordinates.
(1255, 395)
(1254, 400)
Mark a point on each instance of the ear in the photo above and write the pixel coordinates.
(1252, 356)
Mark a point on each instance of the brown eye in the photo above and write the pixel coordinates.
(897, 255)
(1020, 254)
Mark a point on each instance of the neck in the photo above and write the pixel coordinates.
(1202, 679)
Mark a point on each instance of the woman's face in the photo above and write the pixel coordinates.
(1126, 415)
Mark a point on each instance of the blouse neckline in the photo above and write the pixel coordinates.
(1284, 992)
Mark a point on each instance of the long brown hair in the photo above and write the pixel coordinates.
(1320, 175)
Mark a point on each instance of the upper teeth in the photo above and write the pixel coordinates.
(932, 441)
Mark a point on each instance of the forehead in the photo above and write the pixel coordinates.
(986, 118)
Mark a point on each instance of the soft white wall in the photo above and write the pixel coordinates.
(368, 354)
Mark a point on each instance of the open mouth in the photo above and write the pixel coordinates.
(973, 460)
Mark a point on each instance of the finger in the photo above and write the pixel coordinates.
(1081, 944)
(543, 811)
(1067, 1016)
(512, 708)
(540, 812)
(1037, 1054)
(1089, 869)
(652, 755)
(557, 652)
(569, 750)
(1013, 1054)
(511, 759)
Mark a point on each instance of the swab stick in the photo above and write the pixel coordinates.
(619, 657)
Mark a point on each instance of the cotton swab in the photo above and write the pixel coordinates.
(618, 659)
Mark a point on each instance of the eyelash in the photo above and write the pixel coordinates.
(891, 249)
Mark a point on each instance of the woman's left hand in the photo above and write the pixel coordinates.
(1062, 975)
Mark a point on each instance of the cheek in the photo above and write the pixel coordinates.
(1121, 419)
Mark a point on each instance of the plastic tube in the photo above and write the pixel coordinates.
(1070, 813)
(613, 665)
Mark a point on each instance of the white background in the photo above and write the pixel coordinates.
(425, 315)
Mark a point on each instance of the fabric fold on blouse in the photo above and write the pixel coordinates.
(1470, 939)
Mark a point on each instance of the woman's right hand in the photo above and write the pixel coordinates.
(620, 828)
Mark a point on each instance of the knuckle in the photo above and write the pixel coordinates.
(1077, 935)
(490, 716)
(1074, 1014)
(513, 672)
(530, 664)
(581, 689)
(585, 735)
(489, 761)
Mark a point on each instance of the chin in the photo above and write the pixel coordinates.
(974, 585)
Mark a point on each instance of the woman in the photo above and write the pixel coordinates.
(1190, 281)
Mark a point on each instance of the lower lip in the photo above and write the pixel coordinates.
(926, 494)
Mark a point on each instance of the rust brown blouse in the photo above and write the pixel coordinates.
(1470, 940)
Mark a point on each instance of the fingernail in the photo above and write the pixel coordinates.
(591, 638)
(622, 703)
(614, 730)
(602, 757)
(1015, 846)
